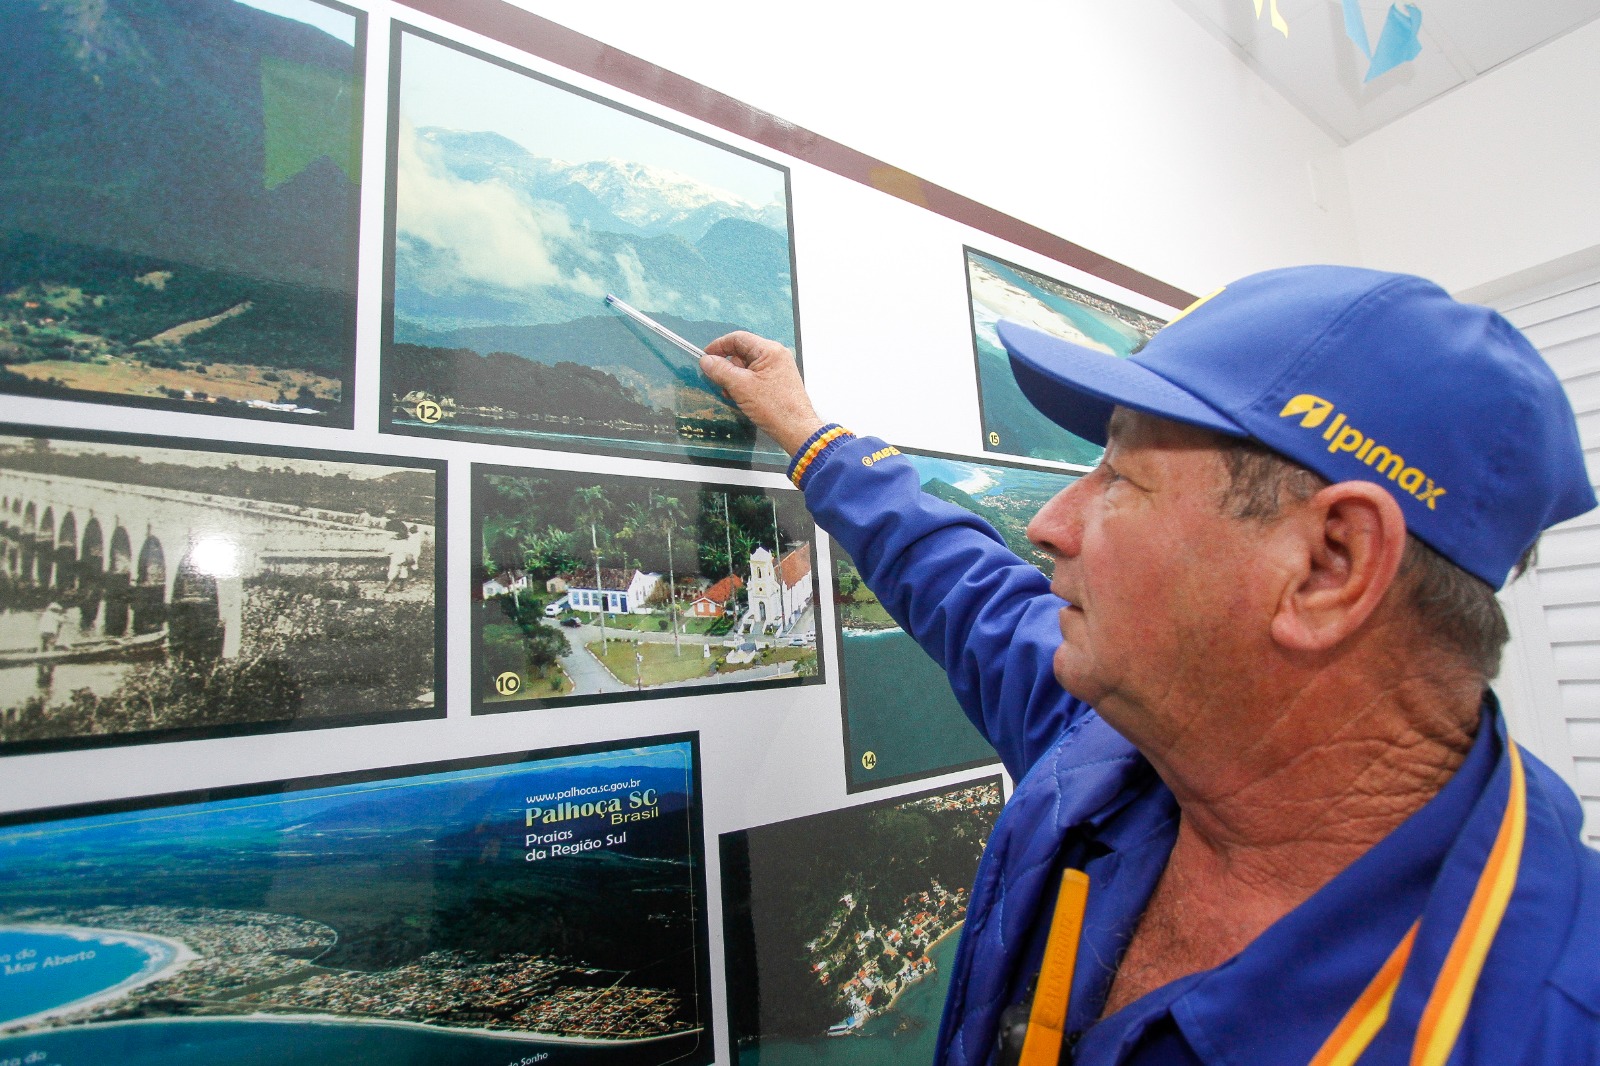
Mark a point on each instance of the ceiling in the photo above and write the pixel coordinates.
(1319, 70)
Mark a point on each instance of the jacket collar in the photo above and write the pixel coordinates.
(1312, 964)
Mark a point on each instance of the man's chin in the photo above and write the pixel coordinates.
(1074, 673)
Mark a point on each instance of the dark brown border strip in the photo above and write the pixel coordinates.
(539, 36)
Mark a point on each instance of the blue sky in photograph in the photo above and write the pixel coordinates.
(441, 86)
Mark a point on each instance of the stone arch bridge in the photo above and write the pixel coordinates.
(134, 560)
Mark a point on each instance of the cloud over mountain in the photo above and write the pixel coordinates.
(489, 234)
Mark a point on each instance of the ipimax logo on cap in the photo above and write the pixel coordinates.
(1344, 437)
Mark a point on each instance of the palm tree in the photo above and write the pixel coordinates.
(668, 512)
(590, 510)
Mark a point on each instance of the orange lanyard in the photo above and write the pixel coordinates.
(1447, 1004)
(1442, 1017)
(1047, 1017)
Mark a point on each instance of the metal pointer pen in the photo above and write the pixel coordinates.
(654, 327)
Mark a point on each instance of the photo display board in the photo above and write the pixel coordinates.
(156, 593)
(840, 928)
(543, 907)
(998, 289)
(519, 205)
(373, 580)
(598, 589)
(901, 721)
(207, 261)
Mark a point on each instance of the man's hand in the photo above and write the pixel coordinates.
(761, 377)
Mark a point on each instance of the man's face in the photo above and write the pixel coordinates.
(1166, 590)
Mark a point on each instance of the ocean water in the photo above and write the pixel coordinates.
(43, 970)
(905, 1036)
(1018, 425)
(297, 1042)
(898, 705)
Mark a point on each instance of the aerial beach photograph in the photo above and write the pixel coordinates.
(150, 592)
(180, 218)
(547, 904)
(518, 205)
(598, 588)
(901, 721)
(998, 289)
(840, 927)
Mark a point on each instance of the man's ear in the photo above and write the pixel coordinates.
(1345, 544)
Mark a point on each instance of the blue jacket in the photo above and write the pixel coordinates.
(1085, 797)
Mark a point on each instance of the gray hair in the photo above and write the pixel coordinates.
(1457, 610)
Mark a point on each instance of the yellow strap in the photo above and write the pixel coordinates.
(1047, 1018)
(1447, 1004)
(1370, 1010)
(1446, 1009)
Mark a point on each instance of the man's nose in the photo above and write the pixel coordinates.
(1058, 527)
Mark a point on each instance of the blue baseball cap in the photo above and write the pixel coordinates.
(1355, 374)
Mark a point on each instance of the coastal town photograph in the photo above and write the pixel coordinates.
(998, 289)
(593, 588)
(430, 917)
(206, 262)
(150, 590)
(520, 205)
(901, 721)
(839, 928)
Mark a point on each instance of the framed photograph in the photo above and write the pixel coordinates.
(179, 223)
(997, 289)
(528, 908)
(151, 592)
(597, 588)
(840, 928)
(517, 205)
(901, 721)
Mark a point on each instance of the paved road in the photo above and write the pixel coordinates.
(589, 676)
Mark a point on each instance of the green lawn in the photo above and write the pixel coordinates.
(644, 623)
(535, 688)
(661, 665)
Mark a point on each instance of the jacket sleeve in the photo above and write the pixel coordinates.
(986, 616)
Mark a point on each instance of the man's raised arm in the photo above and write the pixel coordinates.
(986, 616)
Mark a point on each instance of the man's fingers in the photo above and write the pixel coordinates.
(721, 371)
(745, 348)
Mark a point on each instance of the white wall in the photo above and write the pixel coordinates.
(1494, 181)
(1122, 126)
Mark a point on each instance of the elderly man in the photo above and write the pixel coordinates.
(1252, 705)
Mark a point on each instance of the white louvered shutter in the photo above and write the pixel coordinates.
(1550, 682)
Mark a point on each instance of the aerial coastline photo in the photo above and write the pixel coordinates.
(997, 289)
(153, 592)
(518, 205)
(595, 588)
(840, 927)
(901, 721)
(551, 906)
(179, 224)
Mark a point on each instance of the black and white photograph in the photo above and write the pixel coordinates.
(148, 591)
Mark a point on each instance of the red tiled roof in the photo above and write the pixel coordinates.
(723, 590)
(796, 566)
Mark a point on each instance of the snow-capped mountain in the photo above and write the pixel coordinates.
(611, 195)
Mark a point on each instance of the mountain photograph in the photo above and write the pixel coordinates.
(179, 223)
(519, 205)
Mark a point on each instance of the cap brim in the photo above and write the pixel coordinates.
(1077, 387)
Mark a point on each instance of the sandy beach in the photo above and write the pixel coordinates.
(174, 956)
